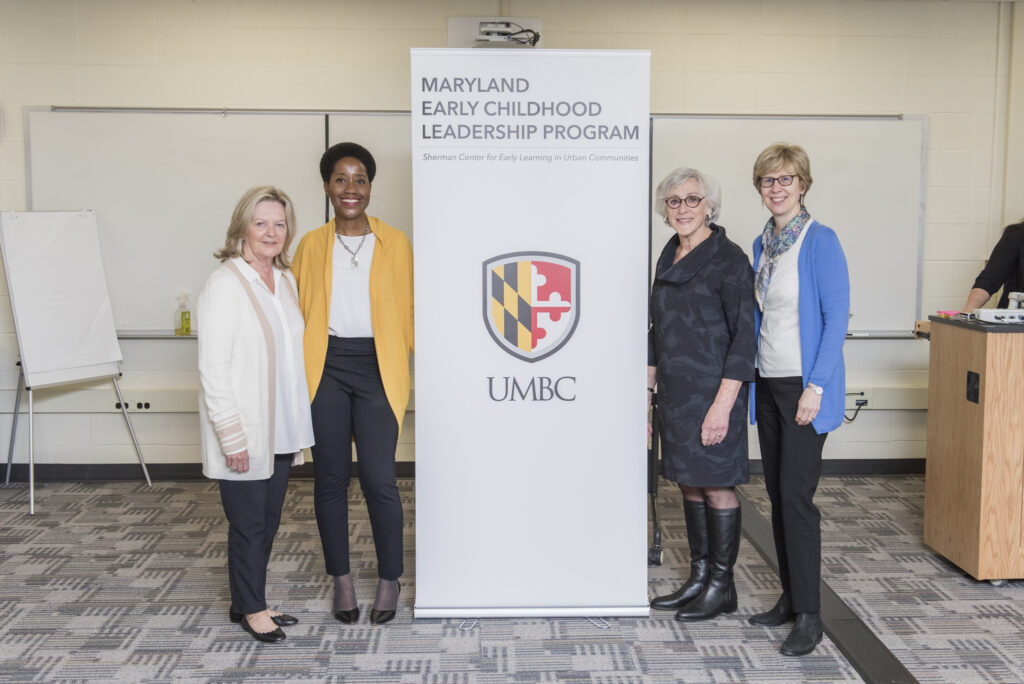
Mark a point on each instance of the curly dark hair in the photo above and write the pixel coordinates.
(346, 149)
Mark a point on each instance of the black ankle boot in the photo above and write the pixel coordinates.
(695, 513)
(719, 595)
(780, 614)
(805, 635)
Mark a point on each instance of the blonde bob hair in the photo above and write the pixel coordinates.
(779, 155)
(242, 217)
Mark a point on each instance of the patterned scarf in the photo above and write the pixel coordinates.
(774, 247)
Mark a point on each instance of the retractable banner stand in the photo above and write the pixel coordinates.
(530, 177)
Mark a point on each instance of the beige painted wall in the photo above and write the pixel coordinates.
(950, 60)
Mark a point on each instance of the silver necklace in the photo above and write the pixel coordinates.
(355, 255)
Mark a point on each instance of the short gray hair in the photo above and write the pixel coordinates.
(709, 187)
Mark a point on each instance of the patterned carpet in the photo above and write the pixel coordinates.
(111, 581)
(943, 625)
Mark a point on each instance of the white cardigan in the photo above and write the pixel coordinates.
(236, 375)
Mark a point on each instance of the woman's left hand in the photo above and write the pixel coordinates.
(807, 407)
(716, 425)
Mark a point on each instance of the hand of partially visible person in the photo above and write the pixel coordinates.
(807, 407)
(716, 425)
(239, 462)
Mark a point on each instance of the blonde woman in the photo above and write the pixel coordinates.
(802, 290)
(253, 409)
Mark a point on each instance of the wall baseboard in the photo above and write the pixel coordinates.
(74, 472)
(861, 466)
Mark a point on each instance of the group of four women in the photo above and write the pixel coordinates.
(314, 353)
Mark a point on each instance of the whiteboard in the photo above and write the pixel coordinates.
(62, 314)
(163, 185)
(869, 179)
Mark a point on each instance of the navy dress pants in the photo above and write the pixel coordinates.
(791, 456)
(253, 509)
(350, 403)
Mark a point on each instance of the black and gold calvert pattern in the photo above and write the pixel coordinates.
(111, 581)
(510, 301)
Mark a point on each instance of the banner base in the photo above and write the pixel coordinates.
(518, 612)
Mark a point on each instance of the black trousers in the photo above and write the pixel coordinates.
(350, 402)
(791, 456)
(253, 508)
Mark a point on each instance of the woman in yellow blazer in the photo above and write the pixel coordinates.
(355, 291)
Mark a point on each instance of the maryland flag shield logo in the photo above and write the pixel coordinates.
(531, 302)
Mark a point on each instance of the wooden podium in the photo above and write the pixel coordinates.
(974, 483)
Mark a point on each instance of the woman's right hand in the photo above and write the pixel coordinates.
(239, 462)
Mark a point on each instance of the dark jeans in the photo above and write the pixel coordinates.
(791, 456)
(350, 402)
(253, 508)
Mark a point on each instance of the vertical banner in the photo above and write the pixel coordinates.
(531, 214)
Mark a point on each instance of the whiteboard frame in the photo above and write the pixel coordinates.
(330, 114)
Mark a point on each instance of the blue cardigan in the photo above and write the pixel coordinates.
(824, 317)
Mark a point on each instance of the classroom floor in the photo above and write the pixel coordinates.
(115, 581)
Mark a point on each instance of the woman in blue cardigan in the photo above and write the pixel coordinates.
(803, 294)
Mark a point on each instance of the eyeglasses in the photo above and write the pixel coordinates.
(692, 201)
(769, 181)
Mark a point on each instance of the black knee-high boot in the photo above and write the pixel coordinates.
(719, 595)
(695, 513)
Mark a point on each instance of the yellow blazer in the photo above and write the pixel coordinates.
(391, 305)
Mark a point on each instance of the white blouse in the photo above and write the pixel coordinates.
(350, 288)
(778, 346)
(293, 424)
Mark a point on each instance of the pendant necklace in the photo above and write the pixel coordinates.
(355, 255)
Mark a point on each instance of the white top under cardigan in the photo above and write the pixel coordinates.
(778, 345)
(293, 424)
(350, 288)
(238, 373)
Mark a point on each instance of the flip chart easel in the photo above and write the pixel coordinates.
(62, 314)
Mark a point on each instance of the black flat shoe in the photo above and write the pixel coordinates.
(379, 617)
(349, 617)
(266, 637)
(281, 620)
(805, 635)
(780, 614)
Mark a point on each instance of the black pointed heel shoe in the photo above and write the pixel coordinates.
(349, 617)
(379, 617)
(281, 620)
(266, 637)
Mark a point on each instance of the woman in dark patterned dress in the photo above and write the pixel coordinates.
(701, 352)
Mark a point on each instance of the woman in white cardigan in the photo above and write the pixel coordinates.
(253, 398)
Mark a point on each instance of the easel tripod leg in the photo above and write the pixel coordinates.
(31, 460)
(14, 425)
(131, 430)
